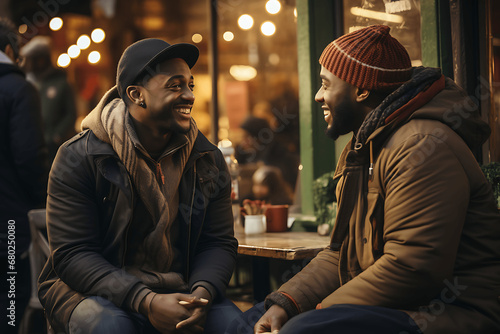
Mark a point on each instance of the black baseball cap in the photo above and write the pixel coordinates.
(145, 54)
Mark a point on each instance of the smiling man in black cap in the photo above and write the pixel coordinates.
(139, 210)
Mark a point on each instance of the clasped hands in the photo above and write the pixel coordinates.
(177, 312)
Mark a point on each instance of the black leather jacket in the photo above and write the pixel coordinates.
(89, 210)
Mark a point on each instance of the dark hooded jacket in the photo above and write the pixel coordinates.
(23, 155)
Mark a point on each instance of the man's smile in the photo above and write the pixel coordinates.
(327, 114)
(184, 110)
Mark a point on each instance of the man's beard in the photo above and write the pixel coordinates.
(342, 122)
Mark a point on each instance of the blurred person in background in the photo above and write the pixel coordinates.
(56, 94)
(23, 169)
(268, 185)
(261, 143)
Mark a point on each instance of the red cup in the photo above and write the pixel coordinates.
(277, 218)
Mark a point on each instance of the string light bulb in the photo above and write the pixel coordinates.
(273, 6)
(268, 28)
(63, 60)
(98, 35)
(94, 57)
(83, 42)
(245, 22)
(55, 23)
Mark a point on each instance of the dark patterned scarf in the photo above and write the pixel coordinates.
(422, 77)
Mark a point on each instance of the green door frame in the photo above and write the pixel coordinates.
(315, 29)
(436, 36)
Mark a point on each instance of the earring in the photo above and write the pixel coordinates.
(142, 104)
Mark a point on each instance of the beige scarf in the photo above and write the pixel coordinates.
(111, 123)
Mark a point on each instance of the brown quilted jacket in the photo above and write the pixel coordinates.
(422, 233)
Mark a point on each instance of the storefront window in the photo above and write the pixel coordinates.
(256, 74)
(258, 77)
(403, 16)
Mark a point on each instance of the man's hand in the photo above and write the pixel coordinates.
(165, 311)
(271, 321)
(198, 310)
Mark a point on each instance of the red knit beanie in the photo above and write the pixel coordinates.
(368, 58)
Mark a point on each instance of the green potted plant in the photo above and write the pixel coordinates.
(492, 173)
(325, 202)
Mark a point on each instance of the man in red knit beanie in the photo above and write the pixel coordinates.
(415, 244)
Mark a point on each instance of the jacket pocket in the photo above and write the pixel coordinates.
(375, 217)
(208, 178)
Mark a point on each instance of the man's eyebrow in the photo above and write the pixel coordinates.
(323, 77)
(179, 76)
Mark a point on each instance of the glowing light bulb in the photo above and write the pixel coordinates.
(56, 23)
(245, 21)
(228, 36)
(83, 42)
(243, 72)
(98, 35)
(273, 6)
(74, 51)
(64, 60)
(94, 57)
(197, 38)
(22, 28)
(268, 28)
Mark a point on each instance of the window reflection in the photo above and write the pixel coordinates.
(403, 16)
(258, 86)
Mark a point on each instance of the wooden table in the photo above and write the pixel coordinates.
(284, 246)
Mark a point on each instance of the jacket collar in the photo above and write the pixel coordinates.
(10, 68)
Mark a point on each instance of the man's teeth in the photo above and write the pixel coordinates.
(186, 111)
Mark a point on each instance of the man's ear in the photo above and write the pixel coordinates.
(9, 51)
(134, 93)
(362, 94)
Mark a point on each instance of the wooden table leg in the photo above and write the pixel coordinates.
(261, 278)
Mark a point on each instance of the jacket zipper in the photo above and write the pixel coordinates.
(370, 169)
(159, 173)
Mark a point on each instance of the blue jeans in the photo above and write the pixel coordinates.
(337, 319)
(96, 315)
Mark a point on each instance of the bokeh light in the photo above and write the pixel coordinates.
(245, 21)
(22, 28)
(94, 57)
(83, 42)
(56, 23)
(273, 6)
(197, 38)
(74, 51)
(64, 60)
(98, 35)
(228, 36)
(268, 28)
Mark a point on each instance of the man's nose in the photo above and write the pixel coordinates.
(188, 94)
(319, 95)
